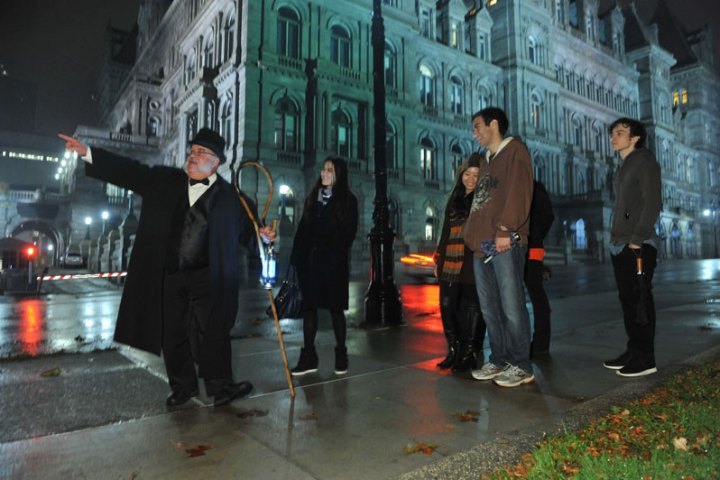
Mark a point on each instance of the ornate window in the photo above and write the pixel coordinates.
(536, 112)
(456, 95)
(457, 158)
(226, 122)
(228, 38)
(390, 64)
(340, 46)
(286, 125)
(209, 50)
(533, 51)
(288, 33)
(427, 86)
(428, 163)
(341, 134)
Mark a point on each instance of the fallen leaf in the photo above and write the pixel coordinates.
(257, 321)
(310, 416)
(197, 450)
(133, 476)
(680, 443)
(467, 416)
(53, 372)
(426, 448)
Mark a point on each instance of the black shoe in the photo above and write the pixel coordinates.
(466, 361)
(450, 358)
(232, 392)
(308, 362)
(179, 397)
(341, 361)
(619, 362)
(637, 368)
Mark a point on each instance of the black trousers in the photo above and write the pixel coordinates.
(636, 299)
(460, 314)
(188, 337)
(540, 304)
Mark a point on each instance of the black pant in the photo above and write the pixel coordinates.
(460, 314)
(187, 338)
(636, 299)
(540, 304)
(310, 327)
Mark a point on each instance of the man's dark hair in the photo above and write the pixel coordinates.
(637, 129)
(493, 113)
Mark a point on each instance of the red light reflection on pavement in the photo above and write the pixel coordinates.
(422, 306)
(31, 331)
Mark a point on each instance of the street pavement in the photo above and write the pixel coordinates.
(75, 405)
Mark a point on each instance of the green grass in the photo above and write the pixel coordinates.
(670, 433)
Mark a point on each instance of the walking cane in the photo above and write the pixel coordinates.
(263, 255)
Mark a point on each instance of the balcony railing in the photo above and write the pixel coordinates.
(289, 158)
(432, 184)
(290, 62)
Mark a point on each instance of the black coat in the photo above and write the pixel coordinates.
(139, 322)
(541, 215)
(321, 254)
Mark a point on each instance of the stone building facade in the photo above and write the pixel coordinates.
(289, 82)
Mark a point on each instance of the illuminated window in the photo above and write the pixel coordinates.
(684, 96)
(390, 61)
(429, 224)
(490, 3)
(427, 159)
(676, 98)
(454, 36)
(427, 86)
(456, 95)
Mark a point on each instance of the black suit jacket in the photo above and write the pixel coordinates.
(139, 322)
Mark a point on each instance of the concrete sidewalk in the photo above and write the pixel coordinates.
(103, 417)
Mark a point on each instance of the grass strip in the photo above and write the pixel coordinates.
(672, 432)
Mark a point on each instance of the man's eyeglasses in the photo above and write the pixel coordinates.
(198, 152)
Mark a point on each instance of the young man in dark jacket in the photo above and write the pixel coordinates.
(541, 219)
(633, 245)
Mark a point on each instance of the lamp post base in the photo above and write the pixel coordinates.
(383, 307)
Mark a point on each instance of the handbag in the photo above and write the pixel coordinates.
(288, 300)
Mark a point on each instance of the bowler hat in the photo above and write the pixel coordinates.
(210, 139)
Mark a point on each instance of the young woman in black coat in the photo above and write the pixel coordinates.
(321, 256)
(462, 321)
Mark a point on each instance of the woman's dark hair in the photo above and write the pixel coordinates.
(456, 205)
(340, 189)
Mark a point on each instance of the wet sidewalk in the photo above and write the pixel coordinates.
(103, 416)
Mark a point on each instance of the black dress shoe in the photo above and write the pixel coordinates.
(179, 397)
(232, 392)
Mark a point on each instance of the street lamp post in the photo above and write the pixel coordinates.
(88, 222)
(105, 215)
(382, 300)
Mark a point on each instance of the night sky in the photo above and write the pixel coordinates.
(59, 46)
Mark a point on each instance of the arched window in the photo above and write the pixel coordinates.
(226, 122)
(390, 63)
(429, 224)
(190, 67)
(484, 99)
(457, 158)
(532, 51)
(598, 138)
(428, 163)
(288, 33)
(209, 50)
(153, 126)
(559, 11)
(341, 134)
(536, 112)
(427, 86)
(286, 125)
(228, 38)
(456, 95)
(577, 132)
(340, 46)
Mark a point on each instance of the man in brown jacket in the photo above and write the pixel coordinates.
(497, 232)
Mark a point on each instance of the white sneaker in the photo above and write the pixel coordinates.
(488, 371)
(514, 377)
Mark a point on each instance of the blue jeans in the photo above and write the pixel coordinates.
(501, 292)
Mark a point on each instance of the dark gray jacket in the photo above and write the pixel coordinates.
(638, 194)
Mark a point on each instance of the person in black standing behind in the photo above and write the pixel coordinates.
(321, 257)
(181, 292)
(541, 219)
(462, 321)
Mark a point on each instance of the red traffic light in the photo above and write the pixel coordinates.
(30, 252)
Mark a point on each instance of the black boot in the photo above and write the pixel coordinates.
(341, 361)
(466, 360)
(308, 362)
(451, 358)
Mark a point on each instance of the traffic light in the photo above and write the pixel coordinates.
(30, 252)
